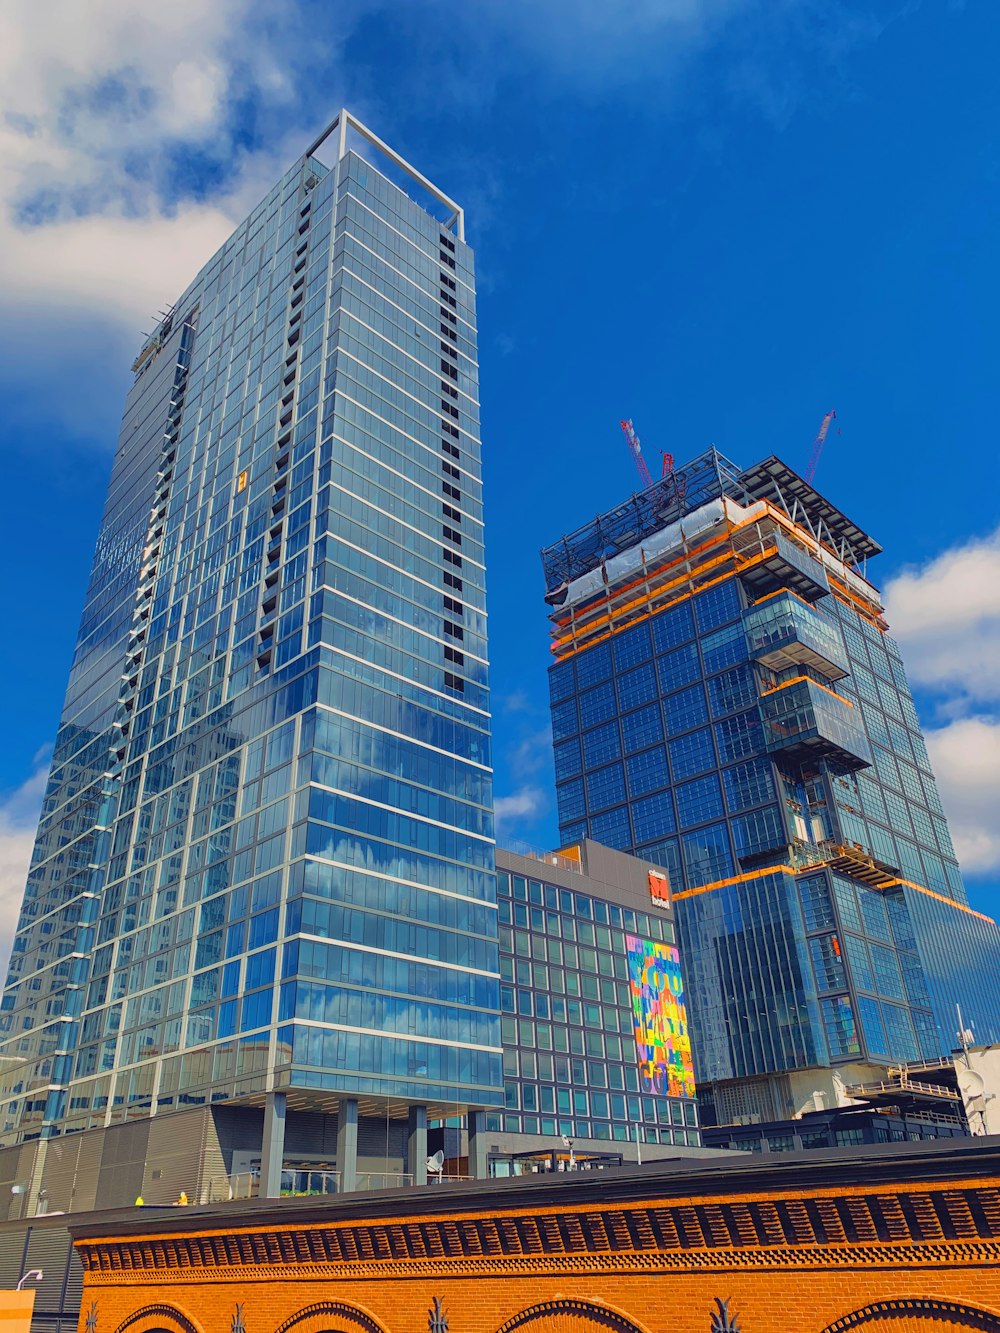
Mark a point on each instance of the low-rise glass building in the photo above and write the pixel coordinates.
(593, 1011)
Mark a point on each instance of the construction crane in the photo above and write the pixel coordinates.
(636, 451)
(817, 448)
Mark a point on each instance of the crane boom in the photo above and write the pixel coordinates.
(635, 450)
(817, 448)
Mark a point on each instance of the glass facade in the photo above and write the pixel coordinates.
(266, 854)
(577, 1056)
(726, 702)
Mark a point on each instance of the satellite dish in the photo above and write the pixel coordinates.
(435, 1164)
(972, 1082)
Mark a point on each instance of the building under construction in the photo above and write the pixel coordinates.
(728, 703)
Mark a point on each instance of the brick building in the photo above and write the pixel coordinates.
(898, 1237)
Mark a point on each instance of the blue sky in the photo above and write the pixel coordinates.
(718, 217)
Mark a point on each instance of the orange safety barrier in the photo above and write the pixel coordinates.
(781, 868)
(734, 879)
(942, 898)
(625, 615)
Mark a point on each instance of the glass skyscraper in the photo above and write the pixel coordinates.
(265, 865)
(727, 702)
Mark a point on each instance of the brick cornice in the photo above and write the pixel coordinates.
(953, 1225)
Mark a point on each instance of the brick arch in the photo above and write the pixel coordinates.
(570, 1316)
(319, 1317)
(158, 1319)
(917, 1315)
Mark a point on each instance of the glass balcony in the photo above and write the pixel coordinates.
(787, 566)
(802, 719)
(783, 632)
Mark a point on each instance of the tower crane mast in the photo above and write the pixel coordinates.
(636, 451)
(817, 448)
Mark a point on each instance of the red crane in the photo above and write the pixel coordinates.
(817, 448)
(636, 451)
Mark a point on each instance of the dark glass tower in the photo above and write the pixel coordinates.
(266, 862)
(727, 702)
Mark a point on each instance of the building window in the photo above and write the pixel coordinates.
(632, 646)
(593, 666)
(653, 817)
(872, 1026)
(672, 627)
(692, 754)
(698, 801)
(606, 787)
(679, 667)
(685, 710)
(637, 687)
(838, 1022)
(642, 728)
(739, 736)
(759, 831)
(748, 784)
(732, 690)
(647, 772)
(706, 855)
(601, 745)
(828, 964)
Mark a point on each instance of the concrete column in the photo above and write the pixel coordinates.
(272, 1149)
(416, 1144)
(347, 1145)
(478, 1168)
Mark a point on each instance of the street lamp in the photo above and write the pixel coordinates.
(35, 1273)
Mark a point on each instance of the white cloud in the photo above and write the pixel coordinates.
(100, 105)
(946, 616)
(18, 818)
(526, 804)
(966, 759)
(533, 750)
(527, 754)
(582, 37)
(104, 106)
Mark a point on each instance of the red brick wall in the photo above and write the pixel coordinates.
(772, 1285)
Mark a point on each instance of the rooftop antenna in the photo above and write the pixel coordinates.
(966, 1036)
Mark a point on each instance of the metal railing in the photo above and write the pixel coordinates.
(241, 1185)
(383, 1180)
(903, 1085)
(299, 1183)
(520, 848)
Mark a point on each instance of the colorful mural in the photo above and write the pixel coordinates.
(659, 1017)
